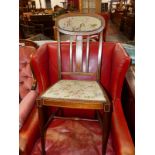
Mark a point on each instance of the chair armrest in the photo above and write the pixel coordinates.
(26, 105)
(29, 133)
(121, 137)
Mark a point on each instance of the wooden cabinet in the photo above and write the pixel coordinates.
(122, 15)
(128, 100)
(90, 6)
(127, 26)
(117, 9)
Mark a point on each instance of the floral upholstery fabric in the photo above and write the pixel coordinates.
(75, 89)
(80, 23)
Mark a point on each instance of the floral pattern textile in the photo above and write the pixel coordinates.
(80, 23)
(75, 89)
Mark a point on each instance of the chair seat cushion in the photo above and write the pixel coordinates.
(76, 90)
(73, 137)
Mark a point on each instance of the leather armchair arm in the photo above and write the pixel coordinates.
(26, 106)
(121, 137)
(29, 133)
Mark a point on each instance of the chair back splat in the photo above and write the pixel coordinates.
(80, 27)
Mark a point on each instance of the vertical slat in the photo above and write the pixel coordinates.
(87, 55)
(81, 5)
(99, 55)
(71, 53)
(88, 6)
(78, 53)
(59, 55)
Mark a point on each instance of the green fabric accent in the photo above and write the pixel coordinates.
(130, 49)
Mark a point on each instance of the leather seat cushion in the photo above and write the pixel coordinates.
(73, 137)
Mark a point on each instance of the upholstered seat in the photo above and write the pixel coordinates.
(75, 90)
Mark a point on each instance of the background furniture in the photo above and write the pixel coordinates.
(128, 92)
(104, 7)
(46, 20)
(122, 14)
(117, 9)
(114, 66)
(27, 85)
(128, 99)
(30, 30)
(90, 6)
(127, 26)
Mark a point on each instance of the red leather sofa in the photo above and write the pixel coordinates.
(27, 85)
(115, 63)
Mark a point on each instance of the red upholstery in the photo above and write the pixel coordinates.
(115, 63)
(80, 136)
(27, 96)
(106, 17)
(25, 74)
(26, 106)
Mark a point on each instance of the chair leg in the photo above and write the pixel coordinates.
(106, 130)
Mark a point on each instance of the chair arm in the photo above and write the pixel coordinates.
(29, 133)
(121, 137)
(26, 105)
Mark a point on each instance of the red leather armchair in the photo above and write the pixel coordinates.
(27, 86)
(115, 63)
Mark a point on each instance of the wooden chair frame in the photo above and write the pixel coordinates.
(78, 104)
(79, 39)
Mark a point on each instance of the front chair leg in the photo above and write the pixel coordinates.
(106, 130)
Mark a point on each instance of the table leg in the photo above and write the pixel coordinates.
(42, 123)
(106, 130)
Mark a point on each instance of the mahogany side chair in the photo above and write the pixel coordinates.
(69, 91)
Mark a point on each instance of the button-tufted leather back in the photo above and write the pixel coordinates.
(25, 74)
